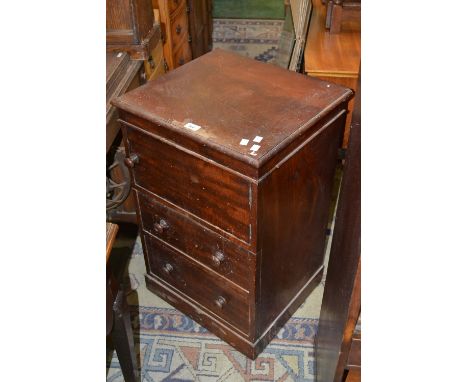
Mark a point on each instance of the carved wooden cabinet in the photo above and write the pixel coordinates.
(233, 175)
(130, 27)
(201, 26)
(175, 32)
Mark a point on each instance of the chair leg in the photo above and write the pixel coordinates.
(122, 337)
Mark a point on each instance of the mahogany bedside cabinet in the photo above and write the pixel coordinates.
(233, 163)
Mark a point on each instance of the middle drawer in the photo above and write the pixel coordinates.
(197, 241)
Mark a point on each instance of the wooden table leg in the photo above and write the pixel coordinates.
(122, 337)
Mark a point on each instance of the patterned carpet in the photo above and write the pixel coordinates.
(248, 9)
(172, 347)
(257, 39)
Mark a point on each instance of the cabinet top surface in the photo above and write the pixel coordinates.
(224, 100)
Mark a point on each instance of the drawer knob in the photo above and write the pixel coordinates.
(132, 160)
(168, 268)
(218, 258)
(161, 226)
(220, 302)
(178, 29)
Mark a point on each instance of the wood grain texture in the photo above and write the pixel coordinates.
(293, 221)
(289, 105)
(341, 298)
(201, 26)
(333, 57)
(122, 75)
(195, 196)
(130, 27)
(111, 234)
(175, 25)
(197, 241)
(331, 54)
(205, 190)
(195, 281)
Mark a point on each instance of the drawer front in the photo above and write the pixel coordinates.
(197, 186)
(179, 30)
(205, 287)
(197, 241)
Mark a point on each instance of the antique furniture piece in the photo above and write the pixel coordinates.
(118, 324)
(338, 341)
(122, 75)
(333, 57)
(233, 175)
(201, 26)
(130, 26)
(340, 11)
(176, 38)
(155, 64)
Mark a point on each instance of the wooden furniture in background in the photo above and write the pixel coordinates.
(174, 23)
(338, 343)
(155, 64)
(225, 222)
(201, 26)
(130, 27)
(342, 11)
(122, 75)
(118, 324)
(333, 57)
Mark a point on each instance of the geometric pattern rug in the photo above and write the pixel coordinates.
(258, 39)
(172, 347)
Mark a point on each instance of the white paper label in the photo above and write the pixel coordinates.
(253, 153)
(244, 142)
(254, 147)
(257, 139)
(120, 54)
(192, 126)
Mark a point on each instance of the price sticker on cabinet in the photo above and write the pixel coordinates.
(192, 126)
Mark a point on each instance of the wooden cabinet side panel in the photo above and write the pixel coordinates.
(293, 209)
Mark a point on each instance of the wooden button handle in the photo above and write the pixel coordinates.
(168, 268)
(161, 226)
(220, 302)
(218, 258)
(132, 160)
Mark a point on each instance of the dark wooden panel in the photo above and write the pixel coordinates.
(195, 185)
(182, 55)
(174, 21)
(119, 16)
(231, 102)
(200, 284)
(212, 191)
(293, 209)
(130, 27)
(122, 75)
(200, 26)
(354, 357)
(179, 28)
(341, 297)
(197, 241)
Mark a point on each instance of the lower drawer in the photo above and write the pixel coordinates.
(197, 241)
(211, 291)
